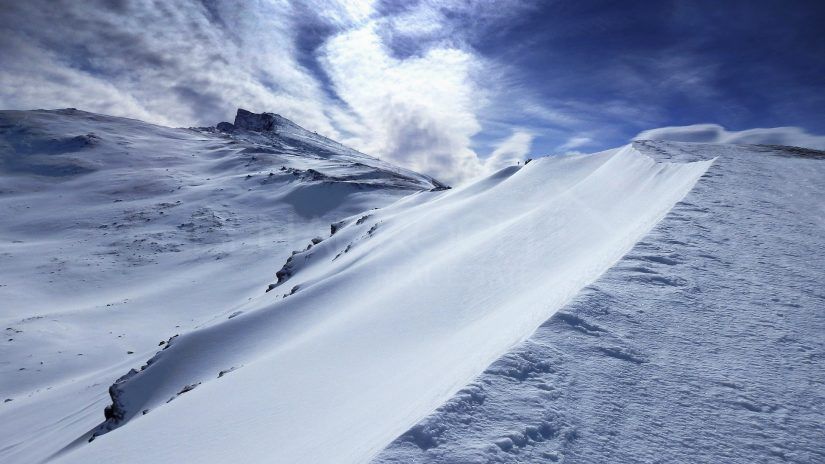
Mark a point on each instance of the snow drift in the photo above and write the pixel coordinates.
(376, 325)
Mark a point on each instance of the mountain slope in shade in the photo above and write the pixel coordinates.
(703, 344)
(118, 234)
(368, 330)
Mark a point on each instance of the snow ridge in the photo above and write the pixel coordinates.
(702, 344)
(392, 314)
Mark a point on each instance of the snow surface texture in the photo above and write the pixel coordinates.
(116, 235)
(703, 344)
(367, 331)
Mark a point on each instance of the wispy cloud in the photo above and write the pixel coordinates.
(512, 150)
(574, 142)
(339, 68)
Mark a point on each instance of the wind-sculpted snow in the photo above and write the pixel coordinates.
(703, 344)
(381, 322)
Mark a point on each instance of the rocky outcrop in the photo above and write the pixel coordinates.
(225, 126)
(257, 122)
(260, 122)
(119, 412)
(273, 129)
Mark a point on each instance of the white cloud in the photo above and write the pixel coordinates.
(419, 21)
(419, 111)
(346, 11)
(575, 142)
(714, 133)
(509, 151)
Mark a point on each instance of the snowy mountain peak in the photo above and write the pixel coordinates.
(258, 122)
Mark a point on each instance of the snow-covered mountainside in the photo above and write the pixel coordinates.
(156, 313)
(703, 344)
(117, 234)
(371, 328)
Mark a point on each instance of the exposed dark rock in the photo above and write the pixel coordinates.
(312, 174)
(116, 414)
(335, 227)
(225, 127)
(188, 388)
(263, 122)
(226, 371)
(285, 272)
(438, 185)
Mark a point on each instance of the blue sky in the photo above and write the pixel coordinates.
(739, 64)
(453, 88)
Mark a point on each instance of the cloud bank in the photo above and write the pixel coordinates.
(714, 133)
(394, 81)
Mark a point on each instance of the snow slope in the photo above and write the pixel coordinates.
(703, 344)
(117, 234)
(371, 329)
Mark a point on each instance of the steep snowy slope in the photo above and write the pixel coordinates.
(116, 234)
(703, 344)
(369, 330)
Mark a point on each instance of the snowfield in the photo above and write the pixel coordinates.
(703, 344)
(117, 234)
(156, 312)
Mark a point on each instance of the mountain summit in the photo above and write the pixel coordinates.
(276, 131)
(259, 122)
